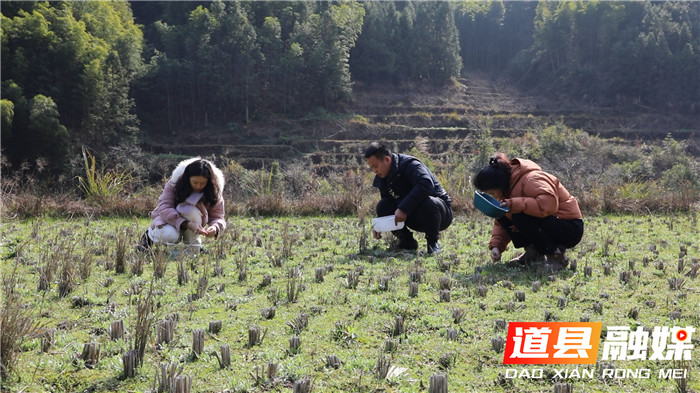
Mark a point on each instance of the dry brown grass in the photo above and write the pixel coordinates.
(341, 193)
(25, 204)
(17, 324)
(342, 203)
(144, 320)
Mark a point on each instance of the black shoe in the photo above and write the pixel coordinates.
(555, 261)
(408, 243)
(433, 248)
(145, 243)
(530, 255)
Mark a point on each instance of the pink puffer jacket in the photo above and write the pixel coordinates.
(166, 211)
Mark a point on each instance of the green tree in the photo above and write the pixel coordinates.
(205, 68)
(83, 56)
(292, 63)
(7, 108)
(433, 42)
(15, 121)
(324, 41)
(271, 48)
(341, 25)
(47, 134)
(492, 33)
(374, 59)
(235, 41)
(611, 53)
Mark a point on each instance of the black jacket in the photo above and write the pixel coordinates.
(409, 182)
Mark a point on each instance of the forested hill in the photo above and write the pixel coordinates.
(113, 75)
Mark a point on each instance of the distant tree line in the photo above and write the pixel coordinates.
(616, 53)
(95, 73)
(67, 72)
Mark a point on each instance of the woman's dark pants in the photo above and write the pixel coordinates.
(546, 234)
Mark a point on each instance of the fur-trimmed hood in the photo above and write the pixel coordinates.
(217, 175)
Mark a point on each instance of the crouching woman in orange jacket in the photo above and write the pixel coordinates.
(544, 217)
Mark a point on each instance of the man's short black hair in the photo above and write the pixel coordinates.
(377, 150)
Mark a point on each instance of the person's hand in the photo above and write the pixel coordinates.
(399, 216)
(210, 231)
(196, 228)
(376, 234)
(495, 254)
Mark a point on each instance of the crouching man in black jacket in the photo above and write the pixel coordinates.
(412, 193)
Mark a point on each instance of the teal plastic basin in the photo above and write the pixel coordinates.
(488, 205)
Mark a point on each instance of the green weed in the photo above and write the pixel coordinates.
(100, 185)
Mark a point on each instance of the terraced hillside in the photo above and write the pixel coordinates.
(438, 120)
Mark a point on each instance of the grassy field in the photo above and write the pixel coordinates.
(336, 292)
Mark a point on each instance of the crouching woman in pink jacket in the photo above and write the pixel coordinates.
(191, 205)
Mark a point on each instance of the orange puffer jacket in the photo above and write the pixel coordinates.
(535, 193)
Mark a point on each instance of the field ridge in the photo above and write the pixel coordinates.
(441, 119)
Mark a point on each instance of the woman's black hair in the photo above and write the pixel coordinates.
(495, 176)
(183, 189)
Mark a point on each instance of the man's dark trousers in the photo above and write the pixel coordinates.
(431, 216)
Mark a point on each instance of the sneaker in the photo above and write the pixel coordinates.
(433, 248)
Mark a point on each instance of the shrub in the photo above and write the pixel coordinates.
(101, 186)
